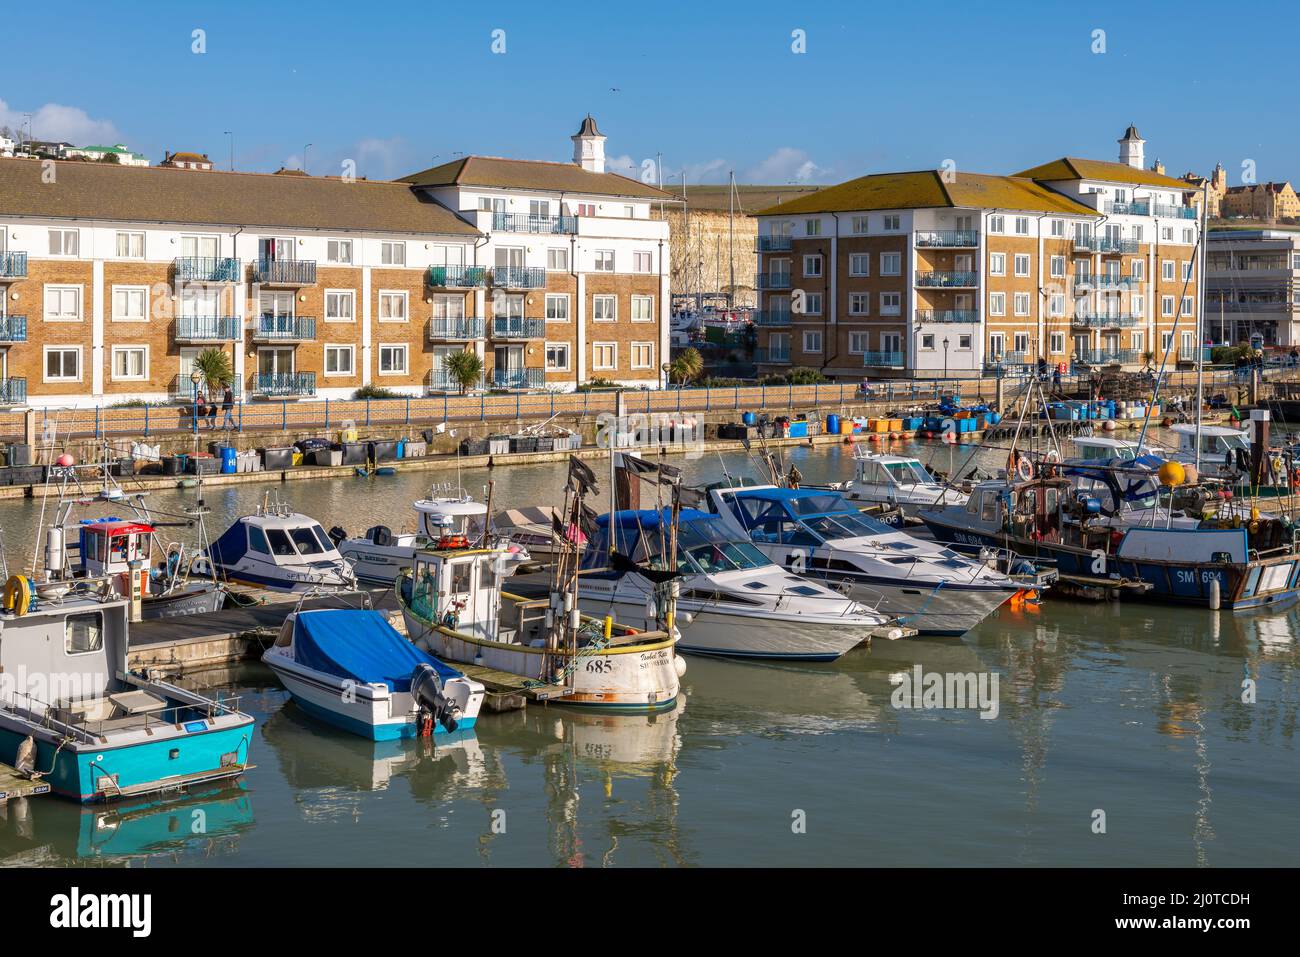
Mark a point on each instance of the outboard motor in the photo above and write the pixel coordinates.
(426, 689)
(338, 535)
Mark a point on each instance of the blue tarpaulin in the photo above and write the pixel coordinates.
(360, 645)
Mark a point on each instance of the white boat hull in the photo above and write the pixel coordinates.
(380, 564)
(931, 610)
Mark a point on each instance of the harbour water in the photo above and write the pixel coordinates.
(1132, 710)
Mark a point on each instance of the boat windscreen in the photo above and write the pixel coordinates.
(909, 473)
(305, 539)
(706, 547)
(280, 543)
(846, 525)
(817, 504)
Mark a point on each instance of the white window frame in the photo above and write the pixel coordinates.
(812, 304)
(604, 298)
(997, 303)
(861, 225)
(554, 253)
(1056, 342)
(45, 364)
(859, 304)
(118, 349)
(339, 244)
(1020, 304)
(1058, 267)
(894, 309)
(390, 294)
(392, 253)
(812, 266)
(650, 312)
(1022, 259)
(997, 264)
(859, 264)
(63, 234)
(61, 288)
(401, 348)
(338, 347)
(812, 341)
(866, 342)
(602, 260)
(350, 295)
(129, 234)
(143, 292)
(892, 222)
(650, 346)
(645, 256)
(558, 297)
(1166, 307)
(568, 357)
(897, 270)
(595, 350)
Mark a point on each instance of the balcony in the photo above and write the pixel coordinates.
(208, 329)
(13, 328)
(455, 330)
(439, 381)
(285, 272)
(1105, 322)
(184, 387)
(518, 378)
(513, 327)
(284, 329)
(1174, 212)
(887, 360)
(772, 318)
(13, 391)
(1112, 247)
(457, 277)
(286, 385)
(773, 244)
(947, 280)
(206, 269)
(778, 356)
(520, 223)
(774, 280)
(1127, 209)
(519, 277)
(1085, 241)
(947, 315)
(1105, 281)
(948, 238)
(1101, 357)
(13, 266)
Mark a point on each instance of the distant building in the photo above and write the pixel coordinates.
(185, 160)
(1267, 201)
(100, 154)
(1213, 189)
(49, 149)
(7, 146)
(1252, 286)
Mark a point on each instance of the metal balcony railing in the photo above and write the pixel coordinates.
(519, 277)
(772, 356)
(13, 265)
(947, 315)
(184, 389)
(13, 391)
(946, 279)
(285, 272)
(208, 328)
(948, 238)
(770, 317)
(518, 378)
(888, 360)
(774, 280)
(1105, 322)
(457, 277)
(1105, 281)
(1174, 212)
(285, 328)
(773, 244)
(440, 380)
(281, 385)
(1110, 246)
(513, 327)
(1104, 357)
(1128, 209)
(521, 223)
(13, 328)
(456, 329)
(206, 269)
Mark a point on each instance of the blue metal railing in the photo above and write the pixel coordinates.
(206, 269)
(1101, 357)
(773, 244)
(208, 328)
(285, 272)
(941, 278)
(1174, 212)
(774, 280)
(521, 223)
(277, 384)
(13, 265)
(948, 237)
(285, 328)
(184, 389)
(1104, 322)
(889, 360)
(519, 277)
(458, 329)
(947, 315)
(518, 378)
(1128, 209)
(13, 328)
(772, 317)
(771, 355)
(513, 327)
(457, 277)
(1109, 245)
(440, 380)
(13, 391)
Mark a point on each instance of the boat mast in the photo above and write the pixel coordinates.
(731, 240)
(1200, 329)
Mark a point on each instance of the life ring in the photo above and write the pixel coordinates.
(453, 541)
(1024, 469)
(18, 594)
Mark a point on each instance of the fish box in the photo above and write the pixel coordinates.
(354, 453)
(26, 474)
(498, 444)
(416, 449)
(277, 458)
(798, 430)
(328, 456)
(473, 447)
(545, 444)
(523, 443)
(382, 450)
(204, 465)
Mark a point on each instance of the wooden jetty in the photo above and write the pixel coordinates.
(14, 785)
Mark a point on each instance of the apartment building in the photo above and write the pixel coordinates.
(933, 272)
(114, 279)
(1252, 287)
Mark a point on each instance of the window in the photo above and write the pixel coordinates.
(643, 309)
(812, 227)
(1166, 305)
(604, 355)
(130, 303)
(891, 264)
(860, 342)
(1022, 342)
(392, 359)
(1137, 305)
(448, 307)
(860, 264)
(629, 212)
(200, 247)
(859, 304)
(339, 251)
(1058, 267)
(641, 261)
(1021, 303)
(604, 260)
(890, 303)
(812, 304)
(539, 208)
(1187, 305)
(557, 308)
(1022, 225)
(130, 245)
(1137, 233)
(812, 266)
(997, 264)
(812, 340)
(392, 254)
(1139, 342)
(1189, 237)
(340, 305)
(1167, 270)
(997, 345)
(997, 304)
(130, 362)
(83, 634)
(1057, 228)
(392, 306)
(557, 356)
(586, 209)
(1167, 234)
(557, 260)
(63, 303)
(643, 355)
(604, 308)
(1187, 271)
(860, 225)
(997, 224)
(62, 363)
(893, 222)
(1056, 304)
(1022, 264)
(1166, 340)
(1056, 342)
(1137, 269)
(963, 341)
(65, 242)
(339, 360)
(927, 341)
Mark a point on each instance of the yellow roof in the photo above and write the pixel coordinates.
(926, 189)
(1067, 167)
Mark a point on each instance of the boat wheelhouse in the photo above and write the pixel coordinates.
(1099, 448)
(122, 550)
(280, 549)
(896, 481)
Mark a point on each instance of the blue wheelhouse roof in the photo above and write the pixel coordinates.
(790, 496)
(649, 518)
(361, 645)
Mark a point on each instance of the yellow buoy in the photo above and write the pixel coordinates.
(18, 594)
(1172, 474)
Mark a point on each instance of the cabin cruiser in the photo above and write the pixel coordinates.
(924, 585)
(1224, 451)
(734, 601)
(73, 715)
(898, 481)
(280, 549)
(1099, 448)
(352, 669)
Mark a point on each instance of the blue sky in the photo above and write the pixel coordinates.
(398, 86)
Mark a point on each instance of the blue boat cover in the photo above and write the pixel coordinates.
(360, 645)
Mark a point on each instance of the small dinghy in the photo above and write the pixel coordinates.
(352, 669)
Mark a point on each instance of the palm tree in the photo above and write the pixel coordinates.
(465, 369)
(214, 368)
(686, 365)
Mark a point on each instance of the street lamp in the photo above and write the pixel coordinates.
(945, 358)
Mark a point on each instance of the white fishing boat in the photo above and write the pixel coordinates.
(896, 481)
(352, 669)
(1224, 451)
(1099, 448)
(279, 549)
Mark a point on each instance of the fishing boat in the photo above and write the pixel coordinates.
(1100, 448)
(1224, 451)
(532, 529)
(73, 714)
(352, 669)
(924, 585)
(280, 549)
(895, 481)
(120, 549)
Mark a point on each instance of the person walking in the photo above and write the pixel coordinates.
(200, 408)
(228, 405)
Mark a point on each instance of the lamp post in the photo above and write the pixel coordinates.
(945, 359)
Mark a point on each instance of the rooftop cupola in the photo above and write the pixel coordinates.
(589, 146)
(1130, 148)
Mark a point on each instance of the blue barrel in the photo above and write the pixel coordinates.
(229, 460)
(749, 418)
(832, 424)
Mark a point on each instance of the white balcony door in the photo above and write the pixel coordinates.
(509, 357)
(963, 263)
(510, 257)
(275, 303)
(200, 301)
(199, 247)
(275, 361)
(1111, 343)
(449, 307)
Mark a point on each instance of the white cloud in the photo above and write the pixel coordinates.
(623, 165)
(53, 121)
(786, 165)
(383, 159)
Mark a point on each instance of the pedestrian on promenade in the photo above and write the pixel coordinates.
(228, 404)
(200, 408)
